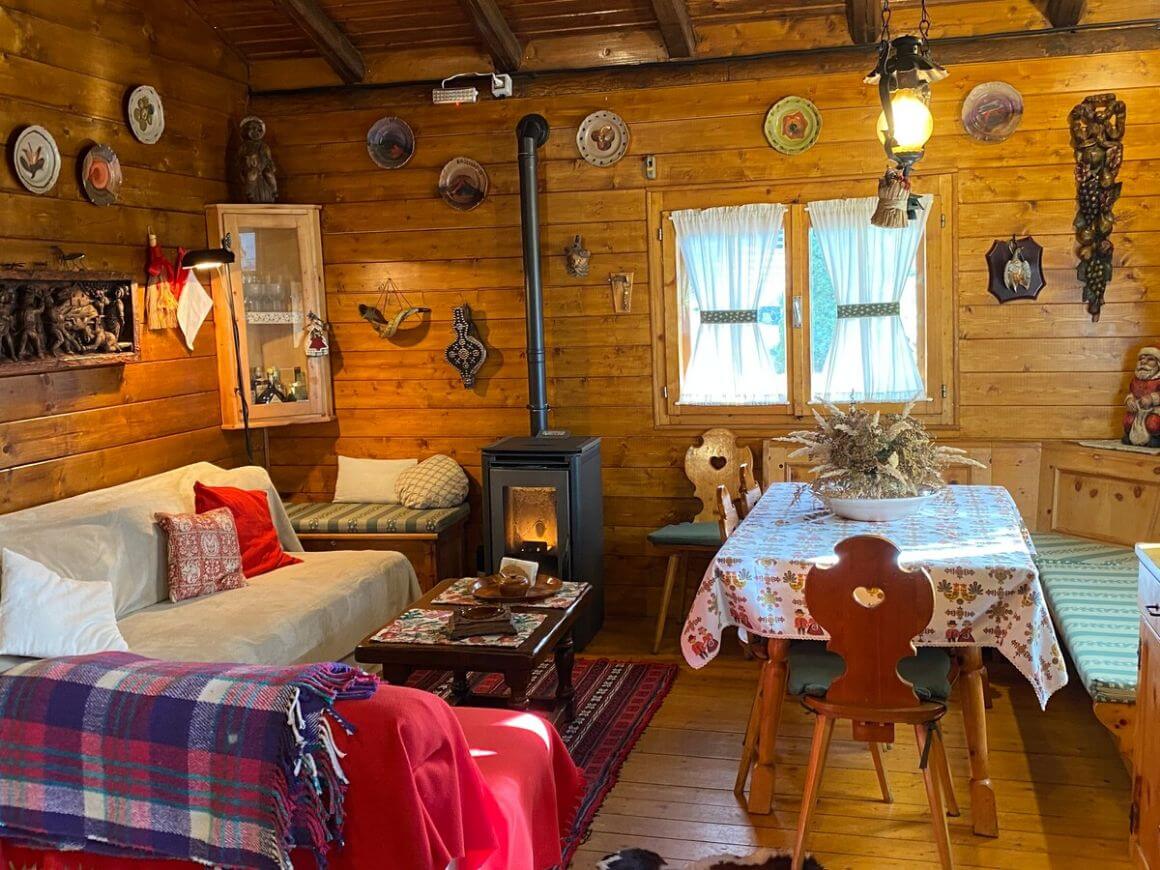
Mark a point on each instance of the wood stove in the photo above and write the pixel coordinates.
(542, 501)
(542, 496)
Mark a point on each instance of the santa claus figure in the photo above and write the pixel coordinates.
(1142, 420)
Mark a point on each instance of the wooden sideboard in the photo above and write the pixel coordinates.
(1145, 826)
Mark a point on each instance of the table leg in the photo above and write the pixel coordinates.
(774, 675)
(984, 812)
(459, 688)
(517, 680)
(396, 674)
(565, 692)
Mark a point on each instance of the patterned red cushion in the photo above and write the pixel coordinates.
(204, 554)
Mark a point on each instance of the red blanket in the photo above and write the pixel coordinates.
(418, 795)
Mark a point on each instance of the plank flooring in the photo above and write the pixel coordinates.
(1063, 793)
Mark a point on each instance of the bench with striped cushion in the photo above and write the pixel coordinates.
(1091, 590)
(433, 539)
(370, 519)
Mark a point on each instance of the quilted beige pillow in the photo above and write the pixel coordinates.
(437, 482)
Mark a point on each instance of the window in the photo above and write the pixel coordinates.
(769, 300)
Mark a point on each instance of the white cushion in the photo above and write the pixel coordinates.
(370, 481)
(44, 615)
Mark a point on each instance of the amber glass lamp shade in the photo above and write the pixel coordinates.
(913, 122)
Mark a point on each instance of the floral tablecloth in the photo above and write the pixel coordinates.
(459, 593)
(419, 625)
(970, 538)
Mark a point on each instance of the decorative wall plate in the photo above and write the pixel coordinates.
(390, 142)
(463, 183)
(602, 138)
(992, 111)
(146, 114)
(36, 159)
(792, 125)
(101, 175)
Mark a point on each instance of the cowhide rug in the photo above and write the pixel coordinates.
(763, 859)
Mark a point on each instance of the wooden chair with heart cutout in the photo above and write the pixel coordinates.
(871, 672)
(715, 462)
(750, 491)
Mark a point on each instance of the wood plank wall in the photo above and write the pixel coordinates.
(1026, 372)
(68, 66)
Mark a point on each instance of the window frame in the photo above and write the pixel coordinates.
(937, 296)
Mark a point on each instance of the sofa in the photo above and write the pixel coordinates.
(469, 788)
(317, 610)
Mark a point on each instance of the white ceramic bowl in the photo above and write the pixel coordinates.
(876, 510)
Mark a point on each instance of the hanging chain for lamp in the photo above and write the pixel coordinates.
(885, 37)
(923, 25)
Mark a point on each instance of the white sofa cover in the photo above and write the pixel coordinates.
(314, 611)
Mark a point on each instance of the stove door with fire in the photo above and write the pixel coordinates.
(534, 523)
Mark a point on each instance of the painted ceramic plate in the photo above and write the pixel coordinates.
(992, 111)
(463, 183)
(101, 175)
(390, 142)
(792, 125)
(36, 159)
(602, 138)
(146, 114)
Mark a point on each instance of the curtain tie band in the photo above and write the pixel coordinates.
(869, 309)
(738, 315)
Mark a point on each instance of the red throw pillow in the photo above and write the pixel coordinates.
(261, 549)
(204, 555)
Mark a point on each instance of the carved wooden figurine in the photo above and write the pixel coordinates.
(1142, 418)
(254, 167)
(1097, 128)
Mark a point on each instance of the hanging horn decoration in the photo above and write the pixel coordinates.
(904, 73)
(373, 314)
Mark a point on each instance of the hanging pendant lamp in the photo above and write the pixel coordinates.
(904, 73)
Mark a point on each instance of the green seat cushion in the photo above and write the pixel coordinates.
(353, 518)
(1090, 587)
(687, 535)
(812, 668)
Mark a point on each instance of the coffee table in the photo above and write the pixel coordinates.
(553, 637)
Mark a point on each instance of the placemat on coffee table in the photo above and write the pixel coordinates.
(418, 625)
(459, 593)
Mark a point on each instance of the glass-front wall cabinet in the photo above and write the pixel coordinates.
(274, 283)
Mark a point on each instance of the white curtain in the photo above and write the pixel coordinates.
(729, 265)
(870, 359)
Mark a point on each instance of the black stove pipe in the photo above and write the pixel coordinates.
(531, 134)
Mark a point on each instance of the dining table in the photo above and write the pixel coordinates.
(972, 542)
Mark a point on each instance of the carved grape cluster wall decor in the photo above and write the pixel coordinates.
(1097, 131)
(54, 320)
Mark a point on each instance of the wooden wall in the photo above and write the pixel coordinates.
(68, 66)
(1025, 372)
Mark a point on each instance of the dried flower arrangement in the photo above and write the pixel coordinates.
(864, 455)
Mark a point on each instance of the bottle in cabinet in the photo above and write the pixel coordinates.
(277, 277)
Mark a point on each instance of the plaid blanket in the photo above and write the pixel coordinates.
(231, 765)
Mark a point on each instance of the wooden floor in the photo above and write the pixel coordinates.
(1063, 793)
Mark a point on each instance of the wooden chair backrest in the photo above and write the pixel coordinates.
(727, 516)
(872, 610)
(714, 462)
(750, 490)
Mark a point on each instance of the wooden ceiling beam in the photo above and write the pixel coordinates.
(328, 38)
(864, 21)
(676, 27)
(496, 34)
(1065, 13)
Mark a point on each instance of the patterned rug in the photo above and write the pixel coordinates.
(615, 700)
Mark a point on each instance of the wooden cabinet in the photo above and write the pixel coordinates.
(1146, 776)
(275, 281)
